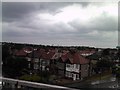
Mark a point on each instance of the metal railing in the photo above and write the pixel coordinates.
(29, 84)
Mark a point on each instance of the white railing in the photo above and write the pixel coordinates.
(33, 84)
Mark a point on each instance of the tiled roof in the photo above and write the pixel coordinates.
(64, 56)
(36, 53)
(74, 58)
(28, 49)
(78, 59)
(57, 55)
(87, 51)
(21, 53)
(48, 55)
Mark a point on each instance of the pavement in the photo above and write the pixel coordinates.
(111, 82)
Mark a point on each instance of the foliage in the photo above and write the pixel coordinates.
(104, 64)
(5, 52)
(52, 78)
(116, 71)
(34, 78)
(118, 54)
(106, 52)
(13, 67)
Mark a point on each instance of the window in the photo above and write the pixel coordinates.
(43, 63)
(28, 59)
(77, 66)
(68, 65)
(77, 76)
(47, 69)
(69, 74)
(43, 68)
(29, 65)
(86, 67)
(36, 60)
(35, 66)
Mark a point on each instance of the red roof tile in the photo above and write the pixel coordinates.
(28, 49)
(64, 56)
(21, 53)
(48, 55)
(78, 59)
(87, 52)
(74, 58)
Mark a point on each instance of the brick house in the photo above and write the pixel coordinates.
(72, 65)
(40, 59)
(46, 59)
(77, 66)
(60, 63)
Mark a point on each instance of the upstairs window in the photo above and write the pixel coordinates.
(77, 66)
(68, 65)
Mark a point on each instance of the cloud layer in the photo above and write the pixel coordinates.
(91, 24)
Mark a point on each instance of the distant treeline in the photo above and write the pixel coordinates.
(21, 45)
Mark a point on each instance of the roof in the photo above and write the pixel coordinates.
(48, 55)
(57, 55)
(95, 56)
(36, 53)
(20, 53)
(88, 52)
(74, 58)
(64, 56)
(28, 48)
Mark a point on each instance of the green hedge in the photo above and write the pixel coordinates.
(34, 78)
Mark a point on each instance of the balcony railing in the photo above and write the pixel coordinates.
(21, 83)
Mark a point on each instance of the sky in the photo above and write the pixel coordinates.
(64, 24)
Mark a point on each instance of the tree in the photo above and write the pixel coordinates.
(106, 52)
(5, 51)
(118, 54)
(13, 66)
(104, 64)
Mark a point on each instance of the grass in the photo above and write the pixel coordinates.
(30, 77)
(102, 76)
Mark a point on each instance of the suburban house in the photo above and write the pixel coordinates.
(77, 66)
(20, 53)
(34, 59)
(71, 64)
(41, 59)
(61, 64)
(66, 63)
(46, 59)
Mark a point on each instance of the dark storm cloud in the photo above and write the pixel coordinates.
(102, 23)
(12, 11)
(21, 22)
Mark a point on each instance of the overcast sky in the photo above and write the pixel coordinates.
(78, 24)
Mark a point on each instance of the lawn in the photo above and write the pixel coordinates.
(102, 76)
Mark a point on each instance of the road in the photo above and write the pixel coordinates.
(111, 83)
